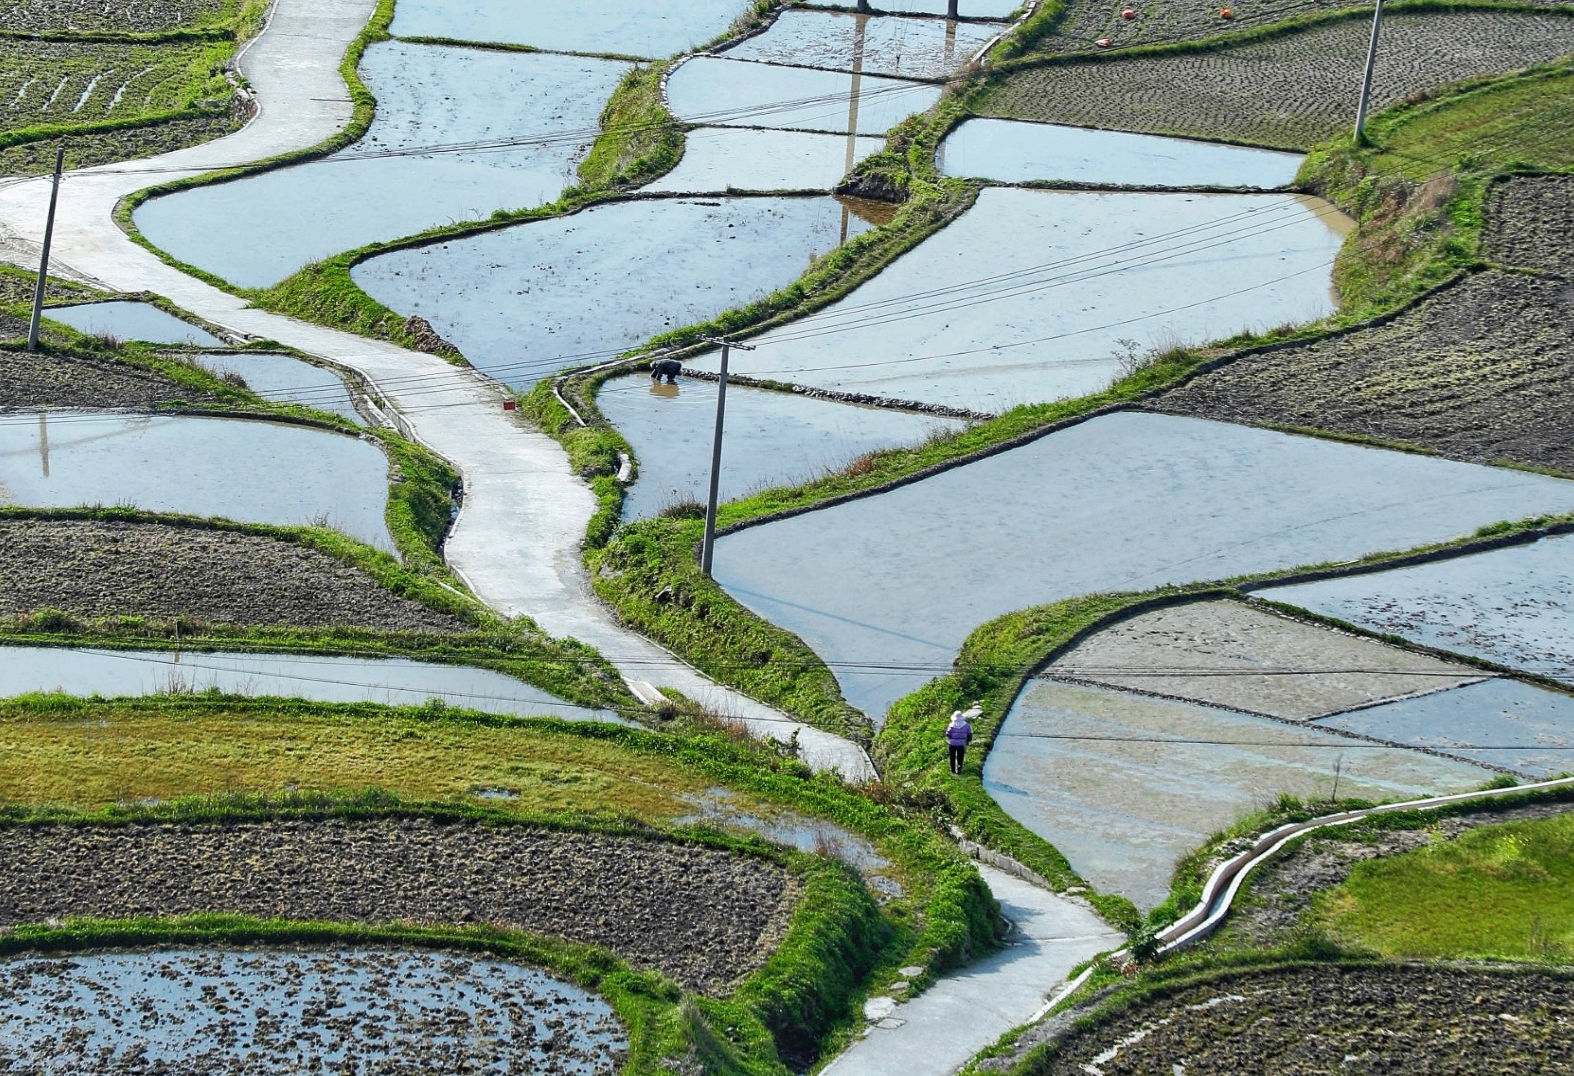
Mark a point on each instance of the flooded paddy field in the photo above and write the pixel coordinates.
(1310, 1019)
(966, 9)
(256, 231)
(289, 1010)
(729, 159)
(1291, 90)
(1530, 223)
(901, 578)
(1229, 654)
(387, 681)
(650, 29)
(1074, 281)
(93, 568)
(1012, 151)
(283, 379)
(241, 469)
(773, 438)
(74, 381)
(699, 915)
(1125, 784)
(1514, 606)
(792, 98)
(131, 321)
(526, 301)
(867, 44)
(1480, 370)
(1500, 722)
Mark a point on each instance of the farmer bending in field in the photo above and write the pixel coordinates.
(958, 734)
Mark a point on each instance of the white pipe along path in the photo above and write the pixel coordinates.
(517, 540)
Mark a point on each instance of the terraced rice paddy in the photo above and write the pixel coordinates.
(1530, 223)
(386, 681)
(513, 300)
(872, 45)
(900, 580)
(282, 379)
(254, 472)
(1125, 784)
(725, 160)
(256, 231)
(772, 438)
(275, 1010)
(792, 98)
(77, 381)
(654, 30)
(1513, 606)
(132, 321)
(1146, 270)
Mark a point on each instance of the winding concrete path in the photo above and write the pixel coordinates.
(517, 540)
(939, 1031)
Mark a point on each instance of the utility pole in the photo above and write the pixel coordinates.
(1366, 83)
(950, 10)
(43, 266)
(709, 548)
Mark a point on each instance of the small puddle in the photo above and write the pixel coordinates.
(738, 159)
(772, 438)
(652, 29)
(1010, 151)
(715, 807)
(1125, 784)
(131, 321)
(526, 301)
(867, 44)
(735, 93)
(289, 1011)
(1041, 295)
(283, 379)
(886, 588)
(256, 231)
(245, 470)
(389, 681)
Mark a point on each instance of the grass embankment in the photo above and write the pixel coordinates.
(88, 759)
(1419, 188)
(121, 88)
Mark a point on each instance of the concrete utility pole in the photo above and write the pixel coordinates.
(950, 10)
(43, 266)
(709, 547)
(1366, 83)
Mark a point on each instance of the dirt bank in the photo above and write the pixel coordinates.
(1290, 91)
(1530, 223)
(702, 916)
(1480, 371)
(66, 381)
(93, 569)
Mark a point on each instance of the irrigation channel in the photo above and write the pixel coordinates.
(1042, 290)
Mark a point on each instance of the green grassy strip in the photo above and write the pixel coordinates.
(639, 139)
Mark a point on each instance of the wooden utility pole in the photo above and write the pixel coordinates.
(1366, 83)
(43, 266)
(709, 548)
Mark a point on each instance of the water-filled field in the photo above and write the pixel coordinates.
(735, 93)
(283, 379)
(131, 321)
(526, 301)
(240, 469)
(651, 29)
(727, 159)
(842, 41)
(1123, 502)
(256, 231)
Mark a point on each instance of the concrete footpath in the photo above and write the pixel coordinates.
(939, 1031)
(517, 541)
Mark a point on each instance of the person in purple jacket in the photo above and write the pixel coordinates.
(958, 734)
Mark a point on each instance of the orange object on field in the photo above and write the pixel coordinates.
(1103, 42)
(1226, 13)
(1129, 13)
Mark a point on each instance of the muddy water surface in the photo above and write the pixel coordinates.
(868, 44)
(719, 159)
(256, 231)
(1010, 151)
(288, 1011)
(389, 681)
(249, 471)
(1122, 502)
(772, 438)
(526, 301)
(652, 29)
(283, 379)
(735, 93)
(1036, 295)
(131, 321)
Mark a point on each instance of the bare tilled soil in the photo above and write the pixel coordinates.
(1087, 21)
(1530, 223)
(145, 16)
(1480, 371)
(1395, 1020)
(105, 147)
(1282, 891)
(702, 916)
(65, 381)
(1290, 91)
(93, 569)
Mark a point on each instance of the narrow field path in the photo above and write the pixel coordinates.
(517, 540)
(938, 1032)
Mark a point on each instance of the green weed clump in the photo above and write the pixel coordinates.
(640, 140)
